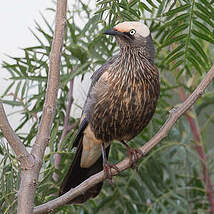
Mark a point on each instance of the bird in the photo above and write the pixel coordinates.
(121, 101)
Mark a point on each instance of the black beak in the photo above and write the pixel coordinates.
(112, 32)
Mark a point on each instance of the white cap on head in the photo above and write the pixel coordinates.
(139, 27)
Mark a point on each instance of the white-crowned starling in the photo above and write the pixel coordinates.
(120, 103)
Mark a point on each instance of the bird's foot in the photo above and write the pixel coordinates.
(107, 170)
(134, 155)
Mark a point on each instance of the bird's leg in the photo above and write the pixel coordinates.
(107, 166)
(133, 154)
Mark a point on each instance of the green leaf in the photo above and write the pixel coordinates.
(172, 53)
(203, 36)
(177, 10)
(143, 7)
(175, 57)
(152, 4)
(202, 27)
(177, 30)
(198, 47)
(197, 58)
(133, 2)
(17, 90)
(129, 10)
(194, 63)
(8, 89)
(12, 103)
(101, 10)
(161, 7)
(23, 89)
(175, 20)
(175, 39)
(208, 5)
(204, 18)
(104, 2)
(127, 16)
(204, 10)
(72, 31)
(47, 24)
(178, 63)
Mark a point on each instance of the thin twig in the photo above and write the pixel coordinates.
(57, 156)
(25, 158)
(175, 114)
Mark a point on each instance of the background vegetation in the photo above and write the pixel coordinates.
(172, 178)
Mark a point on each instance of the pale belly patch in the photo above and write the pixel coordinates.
(91, 148)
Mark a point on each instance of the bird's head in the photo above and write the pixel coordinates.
(133, 35)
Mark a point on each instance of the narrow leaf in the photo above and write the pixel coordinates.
(198, 47)
(202, 27)
(207, 4)
(177, 10)
(196, 57)
(133, 2)
(175, 20)
(8, 89)
(175, 57)
(204, 10)
(175, 39)
(152, 4)
(17, 89)
(160, 8)
(204, 18)
(178, 63)
(202, 36)
(176, 31)
(143, 6)
(24, 89)
(173, 53)
(12, 103)
(194, 63)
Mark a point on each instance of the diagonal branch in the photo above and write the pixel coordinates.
(25, 158)
(175, 114)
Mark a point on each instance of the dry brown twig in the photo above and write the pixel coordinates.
(175, 114)
(31, 163)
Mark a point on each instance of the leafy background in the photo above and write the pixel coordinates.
(170, 178)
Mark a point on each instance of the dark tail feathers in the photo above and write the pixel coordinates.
(76, 175)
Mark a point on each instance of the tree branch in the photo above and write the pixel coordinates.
(25, 158)
(175, 114)
(29, 177)
(53, 82)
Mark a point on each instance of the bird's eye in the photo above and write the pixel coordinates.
(132, 32)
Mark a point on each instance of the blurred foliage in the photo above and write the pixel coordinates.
(169, 179)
